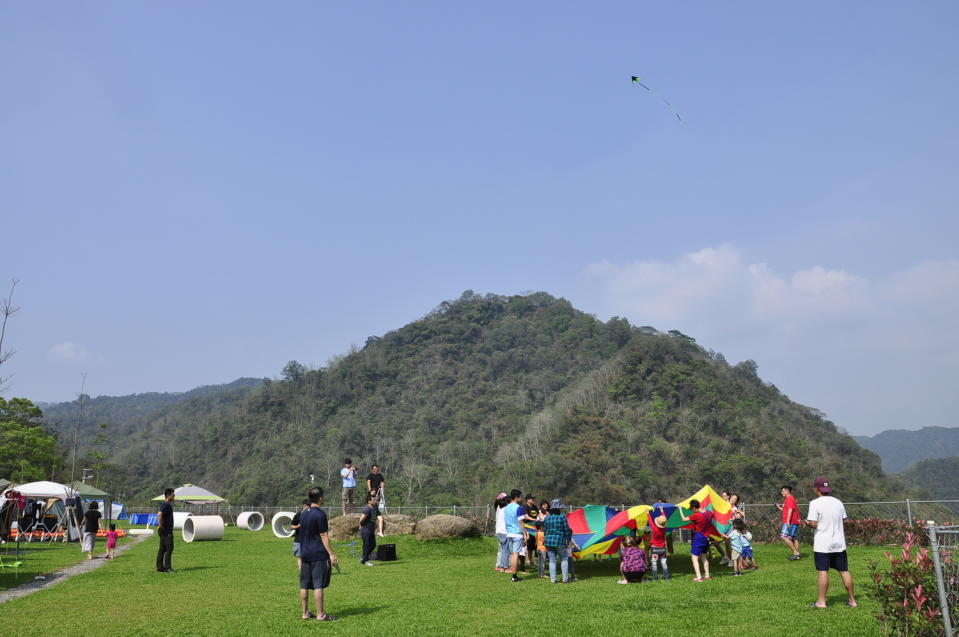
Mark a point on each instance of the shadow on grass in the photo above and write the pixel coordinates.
(358, 610)
(187, 569)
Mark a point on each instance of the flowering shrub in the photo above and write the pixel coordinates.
(859, 532)
(907, 594)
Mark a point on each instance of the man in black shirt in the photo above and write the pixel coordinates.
(165, 533)
(368, 528)
(376, 484)
(317, 556)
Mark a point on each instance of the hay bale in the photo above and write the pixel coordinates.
(345, 527)
(444, 526)
(398, 524)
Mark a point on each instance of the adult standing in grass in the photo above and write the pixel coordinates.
(790, 520)
(368, 528)
(557, 535)
(826, 515)
(316, 556)
(91, 524)
(348, 473)
(530, 517)
(376, 483)
(165, 533)
(502, 555)
(515, 531)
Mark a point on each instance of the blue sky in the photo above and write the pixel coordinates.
(192, 192)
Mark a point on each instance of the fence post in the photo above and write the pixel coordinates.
(908, 512)
(454, 509)
(940, 584)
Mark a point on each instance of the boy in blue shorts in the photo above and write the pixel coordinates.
(702, 524)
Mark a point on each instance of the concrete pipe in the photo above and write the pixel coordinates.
(250, 521)
(179, 517)
(281, 524)
(203, 527)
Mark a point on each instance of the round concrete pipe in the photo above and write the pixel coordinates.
(203, 527)
(179, 517)
(281, 524)
(250, 521)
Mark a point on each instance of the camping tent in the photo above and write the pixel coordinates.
(192, 494)
(61, 494)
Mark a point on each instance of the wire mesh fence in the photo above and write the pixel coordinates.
(870, 522)
(944, 546)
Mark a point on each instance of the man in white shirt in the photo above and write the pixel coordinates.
(826, 515)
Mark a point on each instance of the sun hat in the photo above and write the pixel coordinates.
(501, 496)
(660, 521)
(556, 504)
(823, 485)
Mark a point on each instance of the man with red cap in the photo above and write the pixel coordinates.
(826, 515)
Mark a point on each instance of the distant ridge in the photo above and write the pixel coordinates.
(123, 414)
(900, 448)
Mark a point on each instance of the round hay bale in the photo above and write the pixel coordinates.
(398, 524)
(443, 526)
(345, 527)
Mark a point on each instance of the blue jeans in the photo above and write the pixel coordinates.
(502, 558)
(558, 553)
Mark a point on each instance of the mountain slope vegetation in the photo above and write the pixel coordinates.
(900, 448)
(490, 392)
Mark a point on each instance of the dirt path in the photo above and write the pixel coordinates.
(84, 566)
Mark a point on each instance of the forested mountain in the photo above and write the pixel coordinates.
(123, 414)
(937, 477)
(900, 448)
(487, 393)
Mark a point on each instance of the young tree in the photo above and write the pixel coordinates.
(8, 309)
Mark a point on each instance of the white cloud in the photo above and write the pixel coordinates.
(67, 351)
(874, 353)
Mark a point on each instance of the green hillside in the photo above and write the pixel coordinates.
(937, 477)
(490, 392)
(900, 448)
(124, 414)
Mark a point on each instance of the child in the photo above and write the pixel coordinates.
(632, 562)
(747, 549)
(657, 546)
(112, 536)
(541, 548)
(736, 539)
(702, 525)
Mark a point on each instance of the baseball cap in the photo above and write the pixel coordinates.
(501, 496)
(823, 485)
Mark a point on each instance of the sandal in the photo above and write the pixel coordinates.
(309, 616)
(815, 605)
(326, 618)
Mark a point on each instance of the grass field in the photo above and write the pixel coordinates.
(246, 584)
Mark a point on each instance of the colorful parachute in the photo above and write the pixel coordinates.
(599, 529)
(709, 500)
(589, 530)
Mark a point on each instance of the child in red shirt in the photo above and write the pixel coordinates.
(112, 536)
(700, 548)
(657, 547)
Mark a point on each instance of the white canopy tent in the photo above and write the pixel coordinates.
(46, 490)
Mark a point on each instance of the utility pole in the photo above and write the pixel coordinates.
(76, 432)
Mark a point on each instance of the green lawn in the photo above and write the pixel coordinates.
(247, 585)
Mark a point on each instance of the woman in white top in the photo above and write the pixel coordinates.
(502, 555)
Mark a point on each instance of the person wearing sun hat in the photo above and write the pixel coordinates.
(826, 515)
(657, 545)
(556, 538)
